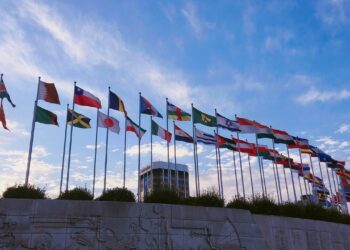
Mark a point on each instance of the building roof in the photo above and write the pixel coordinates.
(164, 165)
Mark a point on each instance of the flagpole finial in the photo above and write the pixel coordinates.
(109, 87)
(1, 75)
(39, 78)
(140, 93)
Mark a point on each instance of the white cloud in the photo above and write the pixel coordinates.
(189, 11)
(343, 128)
(332, 11)
(92, 146)
(315, 95)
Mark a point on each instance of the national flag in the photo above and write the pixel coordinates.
(264, 131)
(85, 98)
(77, 120)
(252, 127)
(116, 103)
(306, 151)
(133, 127)
(205, 138)
(45, 116)
(105, 121)
(226, 123)
(223, 142)
(282, 137)
(323, 157)
(284, 160)
(147, 108)
(335, 164)
(320, 189)
(243, 146)
(161, 132)
(181, 135)
(4, 93)
(260, 150)
(177, 114)
(2, 117)
(203, 118)
(48, 92)
(305, 169)
(344, 173)
(273, 155)
(299, 143)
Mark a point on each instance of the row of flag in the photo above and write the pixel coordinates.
(47, 92)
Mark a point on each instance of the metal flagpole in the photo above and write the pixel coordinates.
(125, 151)
(106, 153)
(64, 150)
(139, 159)
(94, 179)
(285, 181)
(217, 167)
(263, 172)
(221, 186)
(319, 164)
(235, 167)
(329, 181)
(302, 171)
(291, 174)
(335, 186)
(194, 152)
(250, 172)
(151, 165)
(70, 140)
(261, 178)
(176, 170)
(199, 187)
(240, 163)
(32, 136)
(167, 144)
(277, 173)
(342, 194)
(276, 183)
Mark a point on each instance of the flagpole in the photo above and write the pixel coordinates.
(32, 135)
(250, 173)
(262, 166)
(291, 175)
(64, 150)
(276, 183)
(240, 163)
(94, 178)
(329, 182)
(176, 170)
(235, 168)
(167, 144)
(219, 155)
(319, 164)
(263, 172)
(70, 140)
(139, 158)
(261, 178)
(194, 151)
(277, 173)
(285, 181)
(199, 187)
(151, 165)
(302, 170)
(106, 153)
(335, 186)
(125, 118)
(217, 168)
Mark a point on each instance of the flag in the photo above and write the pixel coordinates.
(336, 164)
(2, 117)
(181, 135)
(243, 146)
(77, 120)
(133, 127)
(85, 98)
(45, 116)
(48, 92)
(282, 137)
(323, 157)
(161, 132)
(264, 131)
(116, 103)
(205, 138)
(252, 127)
(4, 93)
(343, 172)
(203, 118)
(223, 142)
(273, 155)
(177, 114)
(260, 150)
(304, 170)
(103, 121)
(226, 123)
(299, 143)
(320, 189)
(147, 108)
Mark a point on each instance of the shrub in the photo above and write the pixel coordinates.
(24, 192)
(117, 194)
(209, 198)
(165, 196)
(77, 193)
(264, 205)
(239, 203)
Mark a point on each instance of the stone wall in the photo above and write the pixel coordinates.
(283, 233)
(53, 224)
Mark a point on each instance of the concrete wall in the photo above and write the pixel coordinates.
(52, 224)
(282, 233)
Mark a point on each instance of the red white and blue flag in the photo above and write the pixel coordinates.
(85, 98)
(147, 108)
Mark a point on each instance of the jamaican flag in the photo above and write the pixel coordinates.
(77, 120)
(203, 118)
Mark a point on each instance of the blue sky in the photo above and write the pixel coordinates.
(282, 63)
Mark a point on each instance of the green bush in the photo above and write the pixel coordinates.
(117, 194)
(24, 192)
(165, 196)
(77, 193)
(239, 203)
(209, 198)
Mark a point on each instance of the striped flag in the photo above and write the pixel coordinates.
(205, 138)
(116, 103)
(161, 132)
(177, 114)
(85, 98)
(181, 135)
(133, 127)
(226, 123)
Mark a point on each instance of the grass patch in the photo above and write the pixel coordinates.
(77, 193)
(117, 194)
(24, 192)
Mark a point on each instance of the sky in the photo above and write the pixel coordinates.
(282, 63)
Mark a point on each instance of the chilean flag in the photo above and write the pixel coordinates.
(85, 98)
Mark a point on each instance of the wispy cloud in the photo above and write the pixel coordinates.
(333, 11)
(343, 128)
(315, 95)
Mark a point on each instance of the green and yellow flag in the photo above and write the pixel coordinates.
(203, 118)
(77, 120)
(45, 116)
